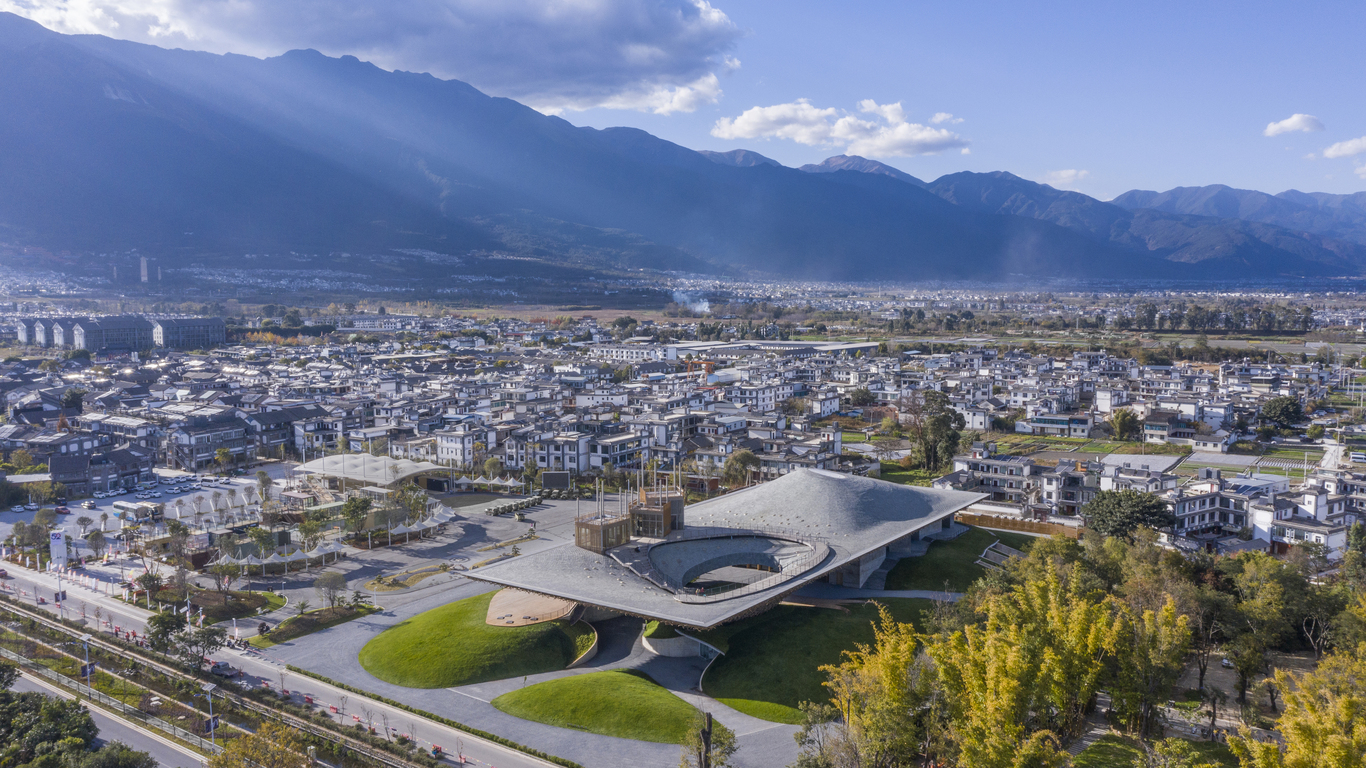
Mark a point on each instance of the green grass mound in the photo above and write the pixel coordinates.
(622, 703)
(657, 631)
(951, 562)
(1119, 752)
(771, 662)
(452, 645)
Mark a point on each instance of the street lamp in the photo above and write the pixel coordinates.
(85, 642)
(208, 689)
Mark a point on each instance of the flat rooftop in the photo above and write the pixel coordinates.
(851, 515)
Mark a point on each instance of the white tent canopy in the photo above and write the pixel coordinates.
(372, 470)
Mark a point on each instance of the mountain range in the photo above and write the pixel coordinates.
(107, 145)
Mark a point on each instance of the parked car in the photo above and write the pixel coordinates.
(4, 574)
(31, 507)
(1226, 664)
(63, 510)
(17, 508)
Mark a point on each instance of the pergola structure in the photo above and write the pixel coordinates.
(367, 470)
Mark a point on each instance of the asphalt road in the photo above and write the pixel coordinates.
(166, 752)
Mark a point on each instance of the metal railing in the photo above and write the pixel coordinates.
(109, 702)
(819, 552)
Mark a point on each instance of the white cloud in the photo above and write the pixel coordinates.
(890, 135)
(655, 55)
(1361, 171)
(945, 117)
(1064, 179)
(1296, 122)
(1346, 148)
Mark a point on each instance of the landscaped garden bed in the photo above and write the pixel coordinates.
(310, 622)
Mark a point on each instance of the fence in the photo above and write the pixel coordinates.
(1020, 524)
(109, 702)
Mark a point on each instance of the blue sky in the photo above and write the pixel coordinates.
(1139, 95)
(1099, 97)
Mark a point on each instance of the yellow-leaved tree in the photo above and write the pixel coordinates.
(1323, 722)
(272, 746)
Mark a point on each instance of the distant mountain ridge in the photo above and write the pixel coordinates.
(738, 158)
(862, 165)
(108, 145)
(1336, 216)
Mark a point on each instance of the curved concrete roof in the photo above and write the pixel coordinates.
(853, 515)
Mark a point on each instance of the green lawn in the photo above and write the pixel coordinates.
(451, 645)
(623, 703)
(1119, 752)
(308, 623)
(854, 437)
(951, 562)
(658, 631)
(893, 473)
(771, 662)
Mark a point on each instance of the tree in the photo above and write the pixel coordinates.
(224, 574)
(197, 645)
(151, 582)
(9, 673)
(932, 425)
(1125, 424)
(862, 397)
(301, 607)
(1151, 657)
(738, 467)
(263, 484)
(885, 695)
(73, 398)
(223, 457)
(311, 531)
(1321, 723)
(1282, 411)
(84, 522)
(1173, 753)
(271, 746)
(97, 542)
(1120, 513)
(162, 629)
(264, 540)
(330, 588)
(1315, 432)
(708, 744)
(354, 511)
(493, 466)
(21, 460)
(1025, 674)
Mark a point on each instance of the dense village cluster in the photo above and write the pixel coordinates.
(577, 396)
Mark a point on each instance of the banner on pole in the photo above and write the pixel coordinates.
(57, 548)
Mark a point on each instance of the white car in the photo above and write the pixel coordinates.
(31, 507)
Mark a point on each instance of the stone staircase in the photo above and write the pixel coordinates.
(1096, 727)
(995, 556)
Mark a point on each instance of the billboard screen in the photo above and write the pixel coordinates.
(555, 481)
